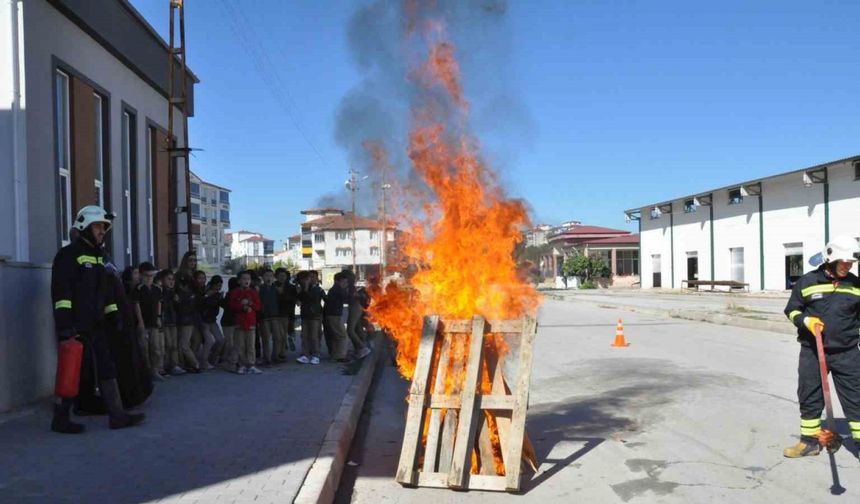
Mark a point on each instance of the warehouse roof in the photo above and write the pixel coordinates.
(749, 182)
(630, 239)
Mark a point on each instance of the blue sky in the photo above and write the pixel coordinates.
(620, 103)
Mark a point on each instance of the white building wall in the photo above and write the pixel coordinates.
(793, 214)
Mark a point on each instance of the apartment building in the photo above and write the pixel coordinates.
(210, 219)
(329, 245)
(251, 247)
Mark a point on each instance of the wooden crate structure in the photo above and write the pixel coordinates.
(456, 426)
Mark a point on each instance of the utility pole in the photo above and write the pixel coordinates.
(352, 185)
(385, 186)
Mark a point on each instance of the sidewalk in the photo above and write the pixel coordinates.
(214, 437)
(763, 311)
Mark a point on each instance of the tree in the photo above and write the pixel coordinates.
(585, 267)
(290, 266)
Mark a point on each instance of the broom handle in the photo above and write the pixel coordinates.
(825, 383)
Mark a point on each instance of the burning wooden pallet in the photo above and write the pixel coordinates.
(468, 439)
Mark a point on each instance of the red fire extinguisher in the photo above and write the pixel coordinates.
(69, 368)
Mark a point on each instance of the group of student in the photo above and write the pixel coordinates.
(188, 323)
(118, 332)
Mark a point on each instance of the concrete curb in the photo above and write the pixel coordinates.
(323, 478)
(698, 316)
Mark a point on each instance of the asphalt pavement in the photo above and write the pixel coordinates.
(691, 412)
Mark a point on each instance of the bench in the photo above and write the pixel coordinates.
(733, 285)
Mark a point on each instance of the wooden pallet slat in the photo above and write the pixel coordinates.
(465, 430)
(457, 425)
(415, 413)
(521, 393)
(431, 450)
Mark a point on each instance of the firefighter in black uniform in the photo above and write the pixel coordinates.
(827, 299)
(83, 305)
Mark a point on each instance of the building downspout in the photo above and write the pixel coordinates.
(711, 208)
(672, 245)
(639, 268)
(826, 211)
(761, 238)
(19, 159)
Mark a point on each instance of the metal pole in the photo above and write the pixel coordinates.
(826, 212)
(384, 239)
(185, 122)
(672, 243)
(353, 188)
(761, 237)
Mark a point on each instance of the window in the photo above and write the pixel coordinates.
(225, 215)
(374, 235)
(626, 262)
(100, 168)
(63, 154)
(319, 237)
(343, 252)
(224, 197)
(341, 235)
(195, 189)
(737, 256)
(195, 210)
(689, 206)
(129, 171)
(856, 170)
(735, 197)
(374, 251)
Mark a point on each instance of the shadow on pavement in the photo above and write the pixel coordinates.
(260, 433)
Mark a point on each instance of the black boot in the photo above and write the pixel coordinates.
(62, 421)
(119, 419)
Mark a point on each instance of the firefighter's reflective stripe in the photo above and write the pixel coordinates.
(110, 308)
(88, 259)
(63, 303)
(793, 315)
(848, 290)
(829, 289)
(818, 289)
(810, 427)
(855, 429)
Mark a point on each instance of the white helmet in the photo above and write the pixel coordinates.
(93, 213)
(842, 248)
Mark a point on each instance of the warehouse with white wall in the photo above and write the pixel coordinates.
(760, 232)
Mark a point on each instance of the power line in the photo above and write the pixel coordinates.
(263, 65)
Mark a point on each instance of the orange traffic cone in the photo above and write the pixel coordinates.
(619, 336)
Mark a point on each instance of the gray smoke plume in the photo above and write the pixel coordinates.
(379, 108)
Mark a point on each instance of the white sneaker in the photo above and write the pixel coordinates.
(242, 370)
(364, 352)
(303, 360)
(177, 371)
(254, 370)
(315, 360)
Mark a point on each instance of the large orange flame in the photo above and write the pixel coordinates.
(460, 237)
(460, 232)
